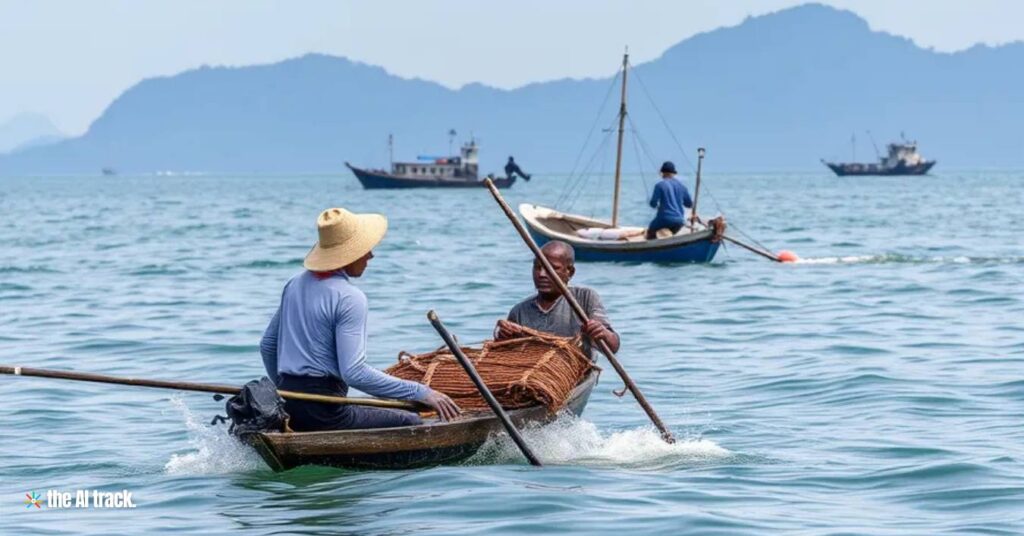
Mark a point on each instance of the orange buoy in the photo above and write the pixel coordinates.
(787, 256)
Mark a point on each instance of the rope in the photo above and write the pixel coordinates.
(663, 120)
(597, 119)
(539, 369)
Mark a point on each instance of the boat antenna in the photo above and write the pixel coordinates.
(618, 152)
(451, 139)
(875, 145)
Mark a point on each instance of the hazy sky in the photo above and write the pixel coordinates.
(70, 59)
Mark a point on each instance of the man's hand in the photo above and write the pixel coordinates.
(597, 331)
(444, 405)
(509, 330)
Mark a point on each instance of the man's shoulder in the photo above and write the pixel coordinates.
(585, 294)
(523, 304)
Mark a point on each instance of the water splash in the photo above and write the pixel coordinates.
(574, 441)
(215, 451)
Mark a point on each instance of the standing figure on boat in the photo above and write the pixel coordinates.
(548, 311)
(316, 341)
(671, 198)
(511, 168)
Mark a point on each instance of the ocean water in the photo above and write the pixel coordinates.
(876, 387)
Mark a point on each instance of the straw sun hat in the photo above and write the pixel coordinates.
(344, 238)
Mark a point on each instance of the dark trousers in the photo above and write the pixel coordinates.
(313, 416)
(658, 223)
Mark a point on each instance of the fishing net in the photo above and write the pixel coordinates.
(540, 369)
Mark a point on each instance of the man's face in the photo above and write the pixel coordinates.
(357, 268)
(543, 283)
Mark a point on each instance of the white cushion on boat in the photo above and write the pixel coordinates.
(600, 233)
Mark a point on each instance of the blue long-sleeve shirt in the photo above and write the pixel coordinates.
(671, 199)
(320, 330)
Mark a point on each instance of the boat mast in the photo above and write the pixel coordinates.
(391, 150)
(618, 154)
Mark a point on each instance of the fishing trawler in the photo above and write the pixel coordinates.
(903, 159)
(460, 171)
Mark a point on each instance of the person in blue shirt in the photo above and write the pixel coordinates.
(671, 199)
(316, 341)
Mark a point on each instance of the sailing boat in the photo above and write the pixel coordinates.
(599, 240)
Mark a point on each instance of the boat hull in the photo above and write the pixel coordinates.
(380, 180)
(695, 247)
(853, 170)
(407, 447)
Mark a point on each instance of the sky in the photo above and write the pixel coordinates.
(69, 59)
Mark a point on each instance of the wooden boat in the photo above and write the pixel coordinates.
(431, 443)
(460, 171)
(598, 240)
(687, 245)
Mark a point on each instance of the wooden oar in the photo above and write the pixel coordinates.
(581, 314)
(202, 387)
(482, 387)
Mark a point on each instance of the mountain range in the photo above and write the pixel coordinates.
(777, 91)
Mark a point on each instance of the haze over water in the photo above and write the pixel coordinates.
(876, 387)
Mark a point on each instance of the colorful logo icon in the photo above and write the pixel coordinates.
(32, 499)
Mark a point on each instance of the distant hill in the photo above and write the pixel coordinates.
(27, 130)
(778, 91)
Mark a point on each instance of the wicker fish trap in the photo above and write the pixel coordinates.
(526, 371)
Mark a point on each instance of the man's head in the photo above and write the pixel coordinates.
(346, 241)
(562, 258)
(668, 169)
(357, 268)
(510, 160)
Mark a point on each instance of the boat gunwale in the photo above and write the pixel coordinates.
(428, 430)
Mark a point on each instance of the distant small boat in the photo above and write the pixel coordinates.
(109, 172)
(430, 172)
(600, 240)
(903, 159)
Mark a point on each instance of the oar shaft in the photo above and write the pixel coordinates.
(580, 313)
(199, 387)
(751, 249)
(482, 387)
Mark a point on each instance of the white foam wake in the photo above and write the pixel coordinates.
(574, 441)
(214, 450)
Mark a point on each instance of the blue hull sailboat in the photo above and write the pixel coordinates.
(600, 240)
(624, 243)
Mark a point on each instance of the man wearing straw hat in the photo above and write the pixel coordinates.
(316, 341)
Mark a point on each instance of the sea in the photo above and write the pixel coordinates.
(874, 387)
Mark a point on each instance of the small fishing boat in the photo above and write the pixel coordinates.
(431, 443)
(459, 171)
(600, 240)
(627, 244)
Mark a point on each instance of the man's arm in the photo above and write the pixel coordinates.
(268, 346)
(687, 201)
(655, 196)
(599, 327)
(508, 328)
(350, 340)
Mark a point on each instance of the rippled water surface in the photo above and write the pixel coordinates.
(876, 387)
